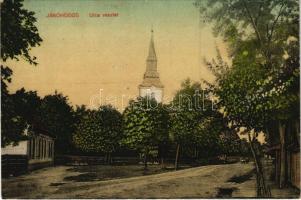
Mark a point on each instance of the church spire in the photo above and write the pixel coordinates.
(151, 75)
(152, 53)
(151, 61)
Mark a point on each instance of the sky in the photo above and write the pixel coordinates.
(99, 60)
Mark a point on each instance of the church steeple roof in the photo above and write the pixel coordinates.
(151, 76)
(151, 51)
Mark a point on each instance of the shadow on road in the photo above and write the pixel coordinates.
(242, 178)
(225, 192)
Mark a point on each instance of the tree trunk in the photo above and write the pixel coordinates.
(162, 163)
(297, 131)
(106, 158)
(145, 161)
(177, 156)
(262, 190)
(109, 158)
(283, 169)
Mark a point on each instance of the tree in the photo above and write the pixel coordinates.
(27, 104)
(230, 143)
(99, 131)
(258, 34)
(207, 137)
(263, 34)
(243, 104)
(55, 116)
(145, 125)
(12, 126)
(260, 28)
(23, 107)
(80, 112)
(216, 138)
(18, 35)
(245, 147)
(18, 31)
(189, 107)
(161, 118)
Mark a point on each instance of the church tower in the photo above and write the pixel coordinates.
(151, 85)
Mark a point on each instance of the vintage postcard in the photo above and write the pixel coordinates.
(161, 99)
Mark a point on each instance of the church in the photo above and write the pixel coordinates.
(151, 85)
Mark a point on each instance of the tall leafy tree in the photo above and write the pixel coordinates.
(18, 31)
(215, 137)
(55, 116)
(242, 102)
(145, 125)
(207, 138)
(80, 112)
(12, 124)
(18, 35)
(27, 104)
(260, 28)
(189, 107)
(99, 131)
(261, 86)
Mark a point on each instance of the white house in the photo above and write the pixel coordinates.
(38, 151)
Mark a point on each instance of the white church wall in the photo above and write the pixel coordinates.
(156, 92)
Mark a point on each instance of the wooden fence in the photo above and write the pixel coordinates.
(294, 171)
(14, 165)
(92, 160)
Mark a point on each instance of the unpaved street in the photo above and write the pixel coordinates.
(206, 181)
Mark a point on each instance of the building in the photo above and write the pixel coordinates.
(36, 152)
(292, 164)
(291, 154)
(151, 85)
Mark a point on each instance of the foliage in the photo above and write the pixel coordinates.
(217, 138)
(195, 123)
(257, 28)
(79, 113)
(99, 131)
(6, 73)
(242, 101)
(207, 138)
(230, 143)
(145, 125)
(262, 83)
(12, 124)
(27, 104)
(186, 113)
(244, 147)
(261, 86)
(18, 31)
(56, 117)
(18, 35)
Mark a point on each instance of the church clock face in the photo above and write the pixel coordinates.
(151, 85)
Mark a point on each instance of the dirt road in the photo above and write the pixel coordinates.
(200, 182)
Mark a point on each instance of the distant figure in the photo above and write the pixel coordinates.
(244, 160)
